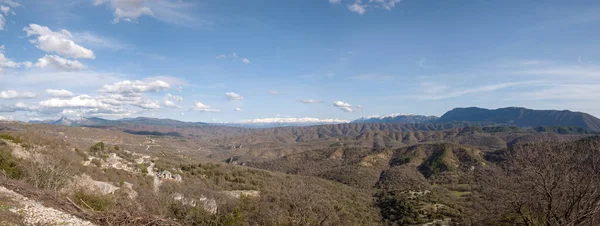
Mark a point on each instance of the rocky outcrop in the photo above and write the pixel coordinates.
(34, 213)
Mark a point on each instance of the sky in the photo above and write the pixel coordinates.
(234, 60)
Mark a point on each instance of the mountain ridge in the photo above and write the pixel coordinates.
(516, 116)
(523, 117)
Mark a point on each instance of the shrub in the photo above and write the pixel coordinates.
(16, 140)
(9, 165)
(98, 147)
(96, 202)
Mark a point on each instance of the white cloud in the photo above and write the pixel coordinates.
(292, 120)
(346, 107)
(180, 89)
(233, 56)
(11, 3)
(174, 97)
(4, 9)
(6, 62)
(27, 64)
(6, 118)
(233, 96)
(199, 106)
(360, 7)
(237, 109)
(147, 104)
(11, 94)
(129, 87)
(309, 101)
(2, 22)
(357, 8)
(385, 4)
(127, 10)
(273, 92)
(341, 104)
(170, 104)
(81, 101)
(16, 107)
(59, 63)
(59, 93)
(171, 11)
(57, 42)
(133, 99)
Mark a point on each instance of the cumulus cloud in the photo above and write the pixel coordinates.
(129, 87)
(237, 109)
(59, 63)
(127, 10)
(346, 107)
(12, 94)
(5, 61)
(133, 99)
(95, 112)
(233, 96)
(199, 106)
(16, 107)
(27, 64)
(246, 61)
(357, 8)
(81, 101)
(6, 118)
(273, 92)
(335, 1)
(57, 42)
(4, 9)
(170, 104)
(341, 104)
(59, 93)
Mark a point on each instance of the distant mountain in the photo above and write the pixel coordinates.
(396, 118)
(523, 117)
(282, 122)
(66, 122)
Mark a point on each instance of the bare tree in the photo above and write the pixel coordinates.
(544, 183)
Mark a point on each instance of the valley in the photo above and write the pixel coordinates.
(351, 174)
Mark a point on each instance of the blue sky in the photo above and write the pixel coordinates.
(227, 61)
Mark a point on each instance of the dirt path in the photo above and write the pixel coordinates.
(34, 213)
(156, 181)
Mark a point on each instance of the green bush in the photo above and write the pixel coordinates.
(16, 140)
(98, 147)
(94, 201)
(10, 165)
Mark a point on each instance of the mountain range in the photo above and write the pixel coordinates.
(515, 116)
